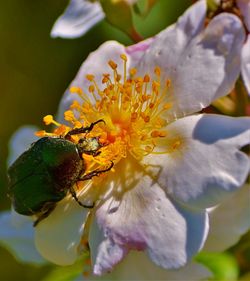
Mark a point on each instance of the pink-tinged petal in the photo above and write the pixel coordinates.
(144, 218)
(136, 52)
(229, 220)
(137, 266)
(206, 165)
(20, 141)
(244, 6)
(17, 235)
(201, 67)
(105, 254)
(96, 64)
(245, 64)
(77, 19)
(58, 236)
(109, 255)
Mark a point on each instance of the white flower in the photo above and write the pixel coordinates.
(78, 18)
(244, 10)
(244, 6)
(229, 221)
(170, 166)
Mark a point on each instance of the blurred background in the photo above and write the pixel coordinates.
(35, 70)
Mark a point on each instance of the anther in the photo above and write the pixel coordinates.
(76, 90)
(90, 77)
(48, 119)
(168, 83)
(157, 71)
(69, 115)
(91, 88)
(133, 71)
(123, 57)
(112, 64)
(41, 133)
(146, 78)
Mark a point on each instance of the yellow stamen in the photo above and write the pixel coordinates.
(48, 119)
(90, 77)
(41, 133)
(112, 64)
(157, 71)
(76, 90)
(133, 110)
(133, 71)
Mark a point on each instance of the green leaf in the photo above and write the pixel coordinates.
(71, 272)
(212, 5)
(120, 14)
(223, 265)
(67, 273)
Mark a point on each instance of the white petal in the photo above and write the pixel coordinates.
(137, 266)
(229, 221)
(207, 166)
(245, 64)
(58, 236)
(109, 254)
(17, 235)
(244, 6)
(136, 51)
(77, 19)
(97, 64)
(201, 68)
(20, 141)
(145, 219)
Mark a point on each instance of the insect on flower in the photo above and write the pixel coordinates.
(48, 170)
(171, 163)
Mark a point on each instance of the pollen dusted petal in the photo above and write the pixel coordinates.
(58, 236)
(146, 219)
(207, 166)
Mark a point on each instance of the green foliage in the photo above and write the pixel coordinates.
(67, 273)
(212, 5)
(223, 265)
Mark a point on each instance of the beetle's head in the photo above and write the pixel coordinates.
(89, 146)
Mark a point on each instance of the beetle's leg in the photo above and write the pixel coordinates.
(95, 173)
(73, 193)
(83, 129)
(92, 152)
(45, 214)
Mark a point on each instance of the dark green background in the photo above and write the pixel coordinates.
(36, 69)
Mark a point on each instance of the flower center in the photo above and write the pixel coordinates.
(131, 106)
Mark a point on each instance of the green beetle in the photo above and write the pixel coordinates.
(45, 173)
